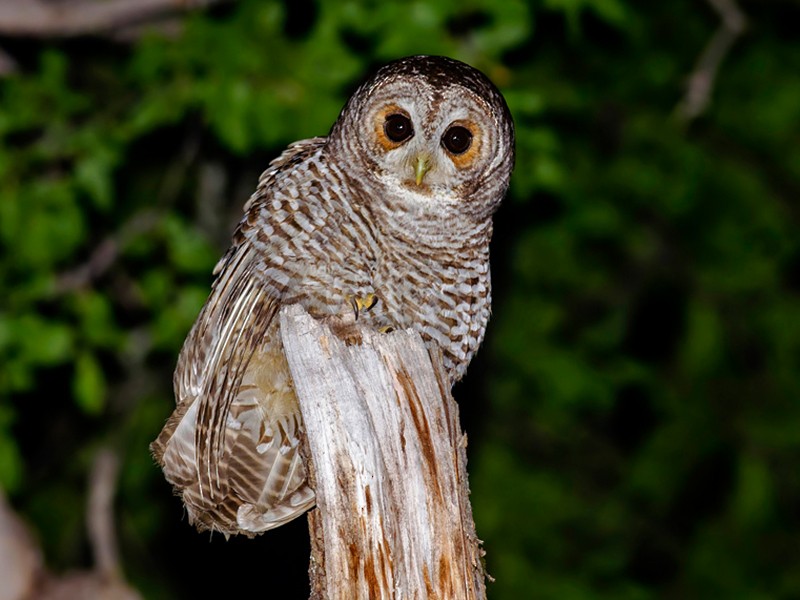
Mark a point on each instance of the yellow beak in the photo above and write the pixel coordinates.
(421, 166)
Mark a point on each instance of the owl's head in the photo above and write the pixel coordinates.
(431, 126)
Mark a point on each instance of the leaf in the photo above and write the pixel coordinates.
(753, 501)
(89, 385)
(93, 174)
(11, 466)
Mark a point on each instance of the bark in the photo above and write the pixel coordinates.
(387, 460)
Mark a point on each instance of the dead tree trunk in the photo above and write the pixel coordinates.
(387, 460)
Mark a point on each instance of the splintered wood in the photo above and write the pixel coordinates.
(387, 461)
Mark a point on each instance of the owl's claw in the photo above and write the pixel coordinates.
(364, 304)
(344, 325)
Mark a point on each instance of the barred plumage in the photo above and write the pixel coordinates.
(364, 211)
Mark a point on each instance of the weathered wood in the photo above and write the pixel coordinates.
(387, 461)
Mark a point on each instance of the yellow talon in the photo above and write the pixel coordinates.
(362, 304)
(367, 301)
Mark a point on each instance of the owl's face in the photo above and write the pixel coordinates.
(432, 128)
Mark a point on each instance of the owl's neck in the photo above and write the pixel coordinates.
(437, 222)
(424, 218)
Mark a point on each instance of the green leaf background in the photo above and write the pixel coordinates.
(633, 415)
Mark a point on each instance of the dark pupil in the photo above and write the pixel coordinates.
(398, 128)
(457, 139)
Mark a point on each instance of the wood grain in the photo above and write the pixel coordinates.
(387, 461)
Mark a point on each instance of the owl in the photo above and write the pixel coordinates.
(390, 214)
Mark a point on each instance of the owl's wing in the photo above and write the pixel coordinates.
(230, 447)
(295, 153)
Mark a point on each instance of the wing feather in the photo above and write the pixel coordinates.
(230, 448)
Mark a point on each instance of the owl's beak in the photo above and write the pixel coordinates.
(421, 166)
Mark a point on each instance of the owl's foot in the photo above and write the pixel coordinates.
(344, 325)
(364, 304)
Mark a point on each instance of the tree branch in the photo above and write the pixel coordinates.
(39, 18)
(20, 557)
(100, 513)
(701, 81)
(105, 254)
(387, 461)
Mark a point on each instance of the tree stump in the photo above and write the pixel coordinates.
(387, 461)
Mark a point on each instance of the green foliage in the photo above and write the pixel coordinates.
(640, 436)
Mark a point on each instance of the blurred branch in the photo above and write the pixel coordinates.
(105, 581)
(106, 253)
(100, 513)
(20, 557)
(701, 81)
(22, 572)
(42, 18)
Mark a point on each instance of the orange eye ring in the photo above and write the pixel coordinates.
(392, 127)
(462, 140)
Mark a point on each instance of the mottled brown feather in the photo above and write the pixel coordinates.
(334, 219)
(218, 470)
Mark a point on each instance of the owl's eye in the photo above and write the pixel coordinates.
(398, 128)
(457, 139)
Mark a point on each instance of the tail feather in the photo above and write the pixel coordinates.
(230, 448)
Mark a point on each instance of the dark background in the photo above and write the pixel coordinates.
(633, 415)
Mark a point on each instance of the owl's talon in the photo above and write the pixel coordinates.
(386, 329)
(362, 304)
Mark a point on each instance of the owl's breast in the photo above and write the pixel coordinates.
(320, 248)
(444, 297)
